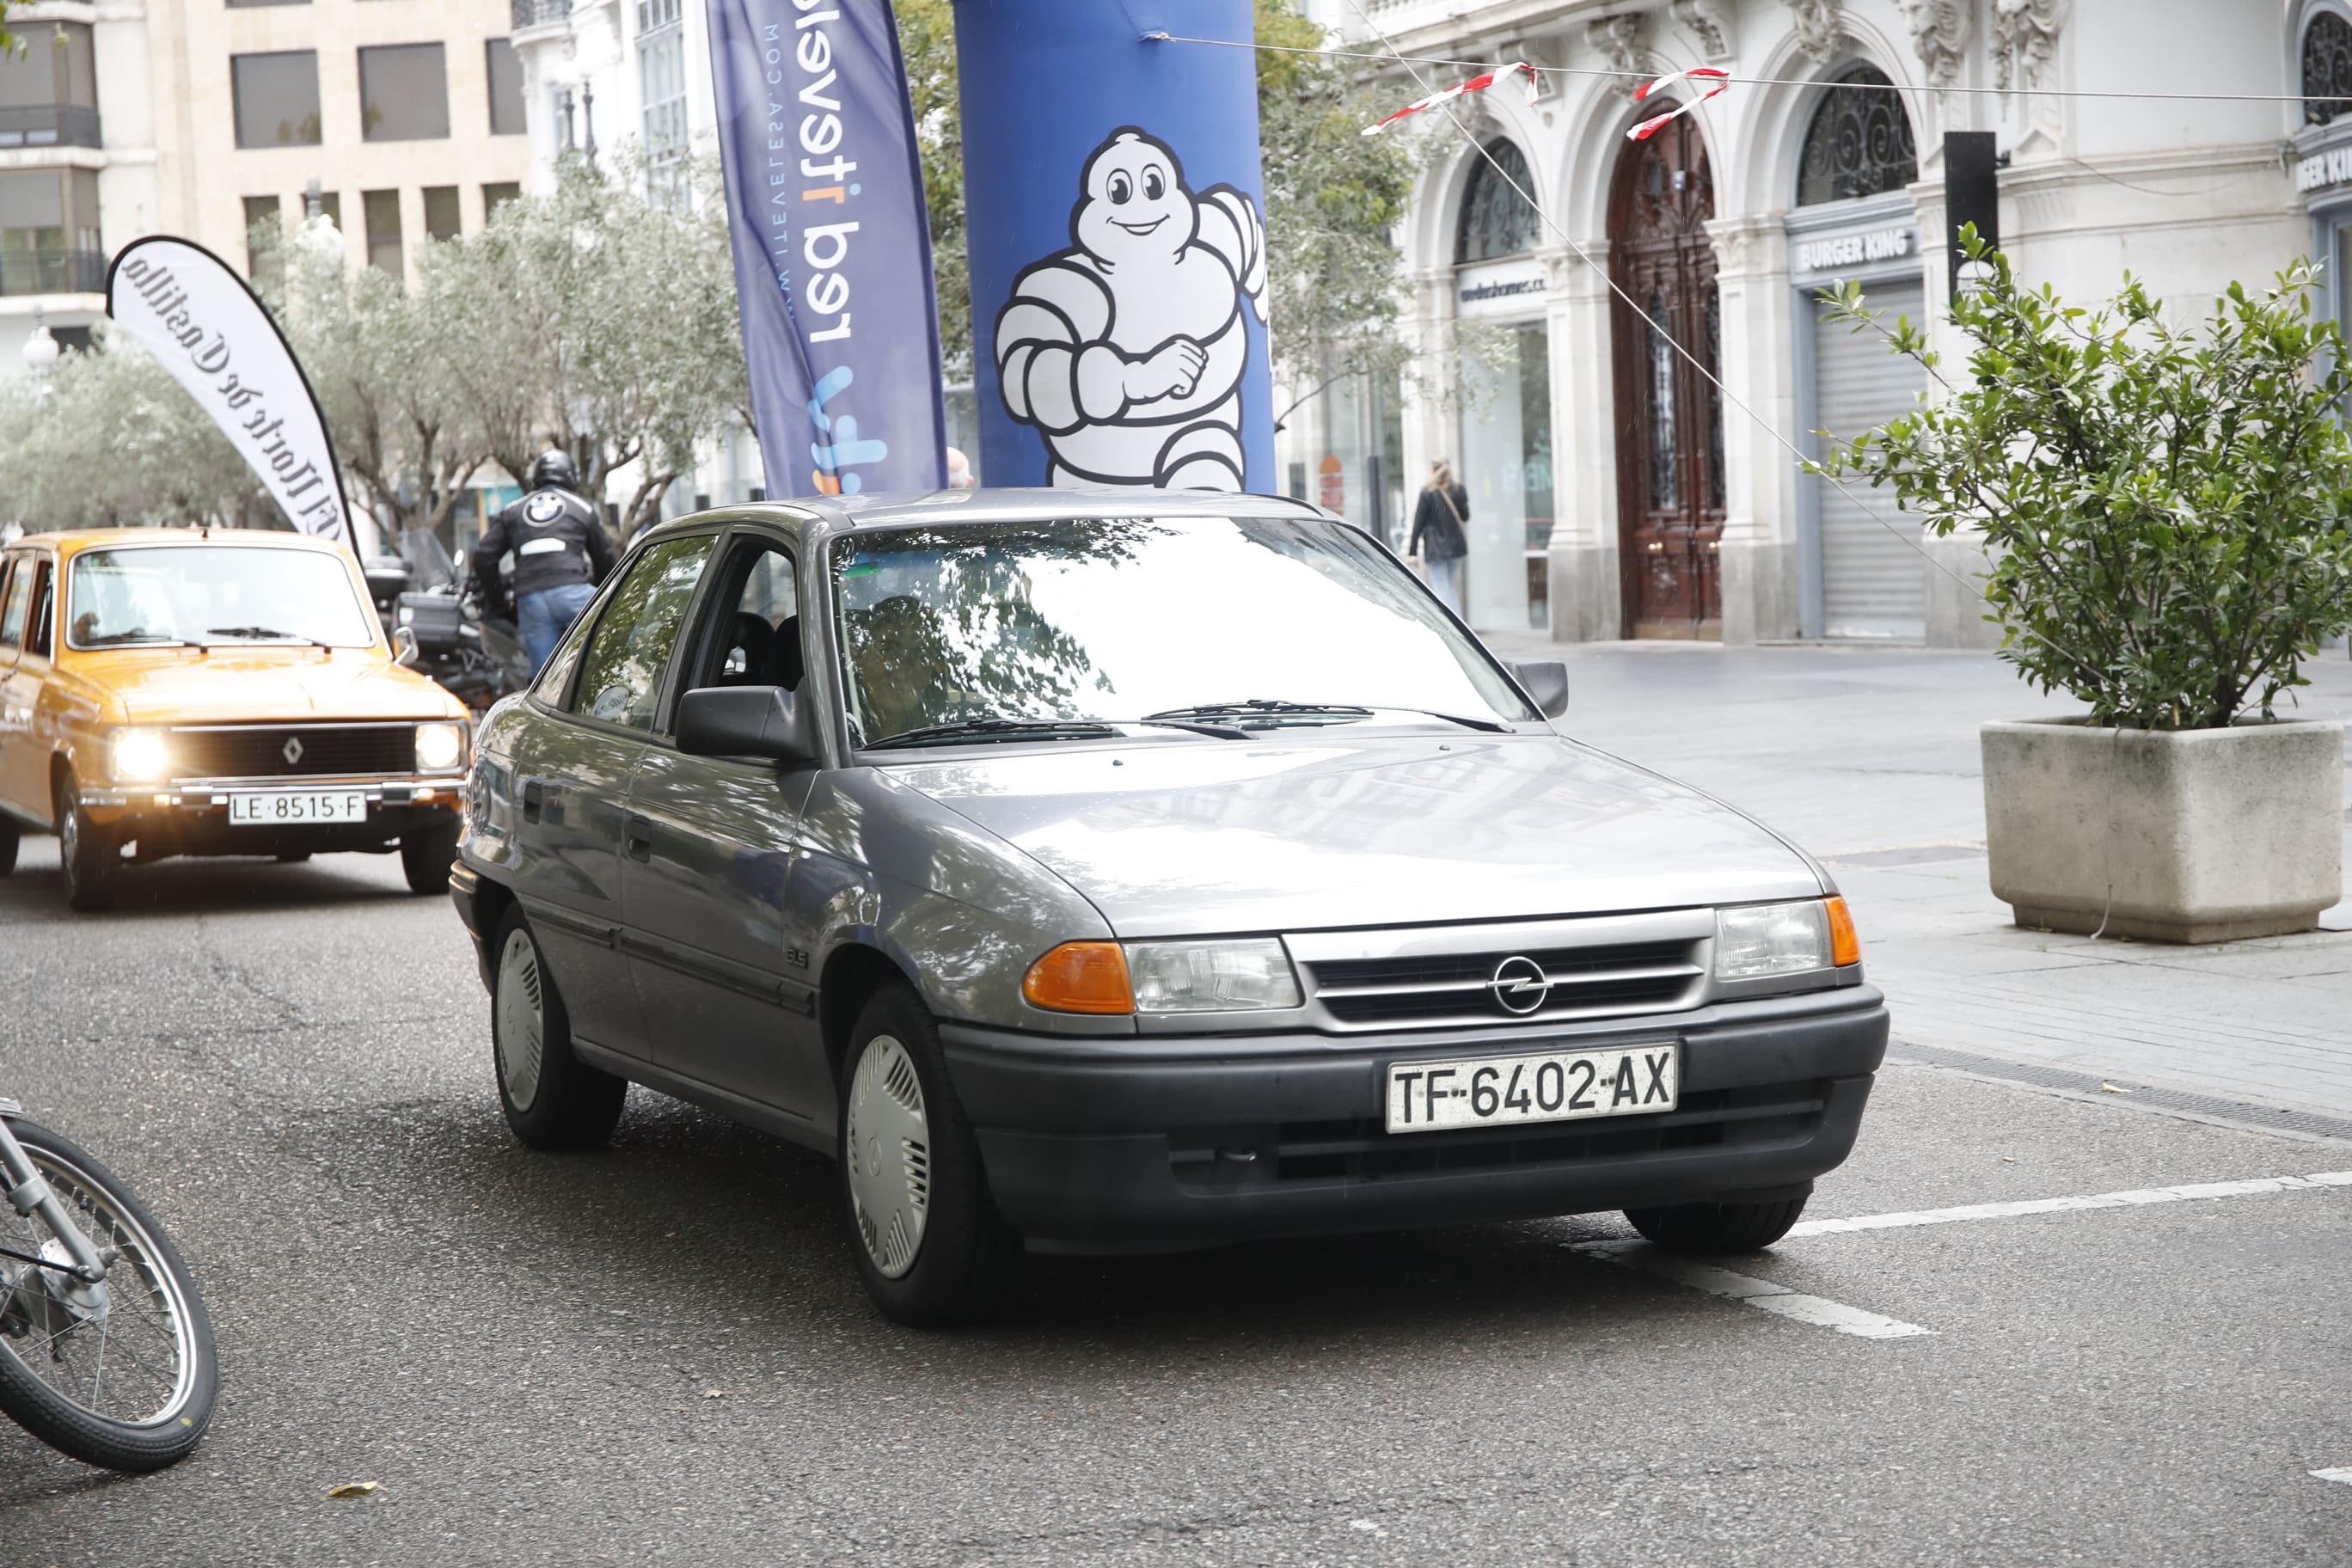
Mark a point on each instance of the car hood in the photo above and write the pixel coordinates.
(1175, 837)
(256, 685)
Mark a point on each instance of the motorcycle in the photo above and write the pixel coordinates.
(106, 1352)
(472, 649)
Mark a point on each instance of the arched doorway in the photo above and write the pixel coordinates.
(1670, 419)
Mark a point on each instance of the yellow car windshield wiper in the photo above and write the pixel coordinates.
(263, 634)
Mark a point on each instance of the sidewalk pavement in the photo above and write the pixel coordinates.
(1868, 757)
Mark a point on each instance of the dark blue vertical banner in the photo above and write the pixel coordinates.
(832, 246)
(1115, 210)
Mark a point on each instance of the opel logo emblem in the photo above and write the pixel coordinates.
(292, 749)
(1519, 985)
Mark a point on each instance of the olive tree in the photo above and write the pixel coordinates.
(2168, 507)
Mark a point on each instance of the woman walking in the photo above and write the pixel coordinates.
(1437, 534)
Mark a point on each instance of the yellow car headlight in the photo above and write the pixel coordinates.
(439, 747)
(140, 756)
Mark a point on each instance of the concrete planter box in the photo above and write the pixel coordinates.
(2202, 835)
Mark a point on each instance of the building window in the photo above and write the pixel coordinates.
(661, 83)
(2326, 68)
(241, 5)
(1859, 143)
(441, 220)
(381, 210)
(1497, 218)
(48, 95)
(264, 221)
(505, 73)
(276, 98)
(404, 93)
(498, 195)
(48, 233)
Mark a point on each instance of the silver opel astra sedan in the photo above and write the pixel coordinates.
(1109, 871)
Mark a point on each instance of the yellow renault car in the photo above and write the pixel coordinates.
(178, 691)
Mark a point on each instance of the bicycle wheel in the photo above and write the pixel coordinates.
(122, 1374)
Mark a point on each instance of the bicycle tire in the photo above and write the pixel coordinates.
(172, 1433)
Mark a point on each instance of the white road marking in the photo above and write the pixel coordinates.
(1760, 1294)
(2061, 1205)
(2344, 1475)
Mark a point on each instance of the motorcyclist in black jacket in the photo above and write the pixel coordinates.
(560, 553)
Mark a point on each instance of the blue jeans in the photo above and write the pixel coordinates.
(1446, 578)
(544, 617)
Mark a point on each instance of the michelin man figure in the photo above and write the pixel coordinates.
(1127, 351)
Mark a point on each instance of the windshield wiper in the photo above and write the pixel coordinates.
(263, 634)
(993, 730)
(1272, 708)
(140, 638)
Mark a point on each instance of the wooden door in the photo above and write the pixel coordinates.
(1670, 417)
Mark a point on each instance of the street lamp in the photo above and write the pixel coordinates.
(40, 356)
(319, 237)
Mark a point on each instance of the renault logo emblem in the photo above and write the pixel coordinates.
(1519, 985)
(292, 749)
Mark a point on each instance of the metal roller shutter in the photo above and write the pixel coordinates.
(1873, 581)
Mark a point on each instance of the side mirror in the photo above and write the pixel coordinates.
(404, 648)
(742, 721)
(1547, 682)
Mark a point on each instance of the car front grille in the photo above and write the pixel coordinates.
(1363, 1150)
(1578, 982)
(293, 751)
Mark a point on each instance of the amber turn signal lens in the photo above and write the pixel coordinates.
(1845, 947)
(1080, 977)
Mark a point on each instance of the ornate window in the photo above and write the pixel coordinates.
(2326, 68)
(1859, 142)
(1497, 219)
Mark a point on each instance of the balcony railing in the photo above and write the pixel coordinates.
(540, 13)
(52, 125)
(52, 271)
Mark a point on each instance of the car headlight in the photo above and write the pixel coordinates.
(407, 614)
(439, 747)
(1211, 976)
(141, 755)
(1757, 941)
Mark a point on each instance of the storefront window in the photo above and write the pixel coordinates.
(1506, 467)
(1859, 143)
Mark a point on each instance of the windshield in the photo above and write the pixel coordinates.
(1121, 618)
(212, 594)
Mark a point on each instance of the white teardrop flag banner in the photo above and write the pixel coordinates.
(190, 311)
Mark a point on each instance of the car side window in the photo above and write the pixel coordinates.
(621, 669)
(751, 632)
(12, 609)
(45, 593)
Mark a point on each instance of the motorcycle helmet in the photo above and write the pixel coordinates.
(554, 467)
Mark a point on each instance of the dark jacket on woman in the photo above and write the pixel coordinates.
(1442, 529)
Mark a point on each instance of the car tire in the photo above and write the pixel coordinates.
(426, 855)
(9, 836)
(924, 1228)
(552, 1098)
(1713, 1229)
(88, 857)
(292, 857)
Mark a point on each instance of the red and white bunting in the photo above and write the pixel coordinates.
(1475, 84)
(1694, 74)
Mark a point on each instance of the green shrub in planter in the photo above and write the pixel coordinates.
(2168, 509)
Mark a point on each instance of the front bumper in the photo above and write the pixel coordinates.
(1123, 1142)
(191, 818)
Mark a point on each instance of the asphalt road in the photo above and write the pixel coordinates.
(659, 1352)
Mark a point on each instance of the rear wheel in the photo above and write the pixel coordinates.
(88, 853)
(426, 855)
(929, 1244)
(8, 837)
(292, 857)
(121, 1372)
(1714, 1228)
(553, 1100)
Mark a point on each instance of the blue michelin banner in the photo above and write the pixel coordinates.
(832, 248)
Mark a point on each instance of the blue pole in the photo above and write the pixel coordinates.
(1115, 212)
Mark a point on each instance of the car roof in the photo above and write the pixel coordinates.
(818, 516)
(76, 540)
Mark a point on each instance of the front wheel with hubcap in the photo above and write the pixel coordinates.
(924, 1228)
(87, 854)
(1712, 1229)
(552, 1098)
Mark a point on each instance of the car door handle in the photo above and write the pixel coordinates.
(640, 838)
(534, 798)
